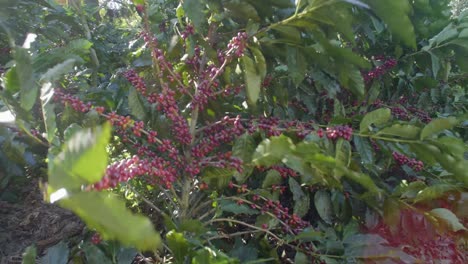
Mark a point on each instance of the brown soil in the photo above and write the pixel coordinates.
(31, 221)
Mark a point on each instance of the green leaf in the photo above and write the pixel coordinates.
(207, 255)
(309, 234)
(343, 152)
(29, 255)
(300, 258)
(399, 130)
(297, 65)
(57, 254)
(217, 177)
(58, 71)
(448, 33)
(24, 70)
(376, 117)
(136, 105)
(449, 218)
(271, 151)
(365, 149)
(252, 79)
(396, 15)
(194, 10)
(241, 10)
(433, 192)
(71, 130)
(233, 207)
(361, 178)
(243, 148)
(48, 113)
(259, 61)
(435, 63)
(112, 219)
(95, 255)
(179, 246)
(301, 199)
(138, 2)
(272, 177)
(438, 125)
(126, 255)
(378, 252)
(351, 78)
(83, 159)
(391, 212)
(323, 205)
(12, 82)
(244, 252)
(192, 225)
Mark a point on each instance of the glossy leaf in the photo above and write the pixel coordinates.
(233, 207)
(179, 246)
(24, 70)
(376, 117)
(297, 65)
(252, 78)
(271, 151)
(300, 258)
(47, 94)
(435, 64)
(399, 130)
(434, 192)
(217, 177)
(438, 125)
(12, 82)
(194, 10)
(136, 104)
(57, 254)
(83, 159)
(449, 218)
(259, 61)
(396, 15)
(272, 177)
(71, 130)
(243, 148)
(342, 154)
(364, 149)
(29, 255)
(109, 216)
(301, 199)
(95, 255)
(58, 71)
(323, 205)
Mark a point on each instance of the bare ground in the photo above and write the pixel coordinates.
(31, 221)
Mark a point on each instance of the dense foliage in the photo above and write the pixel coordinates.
(243, 131)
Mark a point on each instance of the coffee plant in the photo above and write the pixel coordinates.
(241, 131)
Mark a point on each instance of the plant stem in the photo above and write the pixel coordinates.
(247, 225)
(389, 139)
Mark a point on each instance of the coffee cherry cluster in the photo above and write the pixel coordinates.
(96, 239)
(218, 134)
(73, 101)
(168, 104)
(158, 170)
(293, 222)
(401, 159)
(290, 222)
(399, 113)
(238, 44)
(189, 30)
(136, 81)
(420, 114)
(340, 131)
(379, 71)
